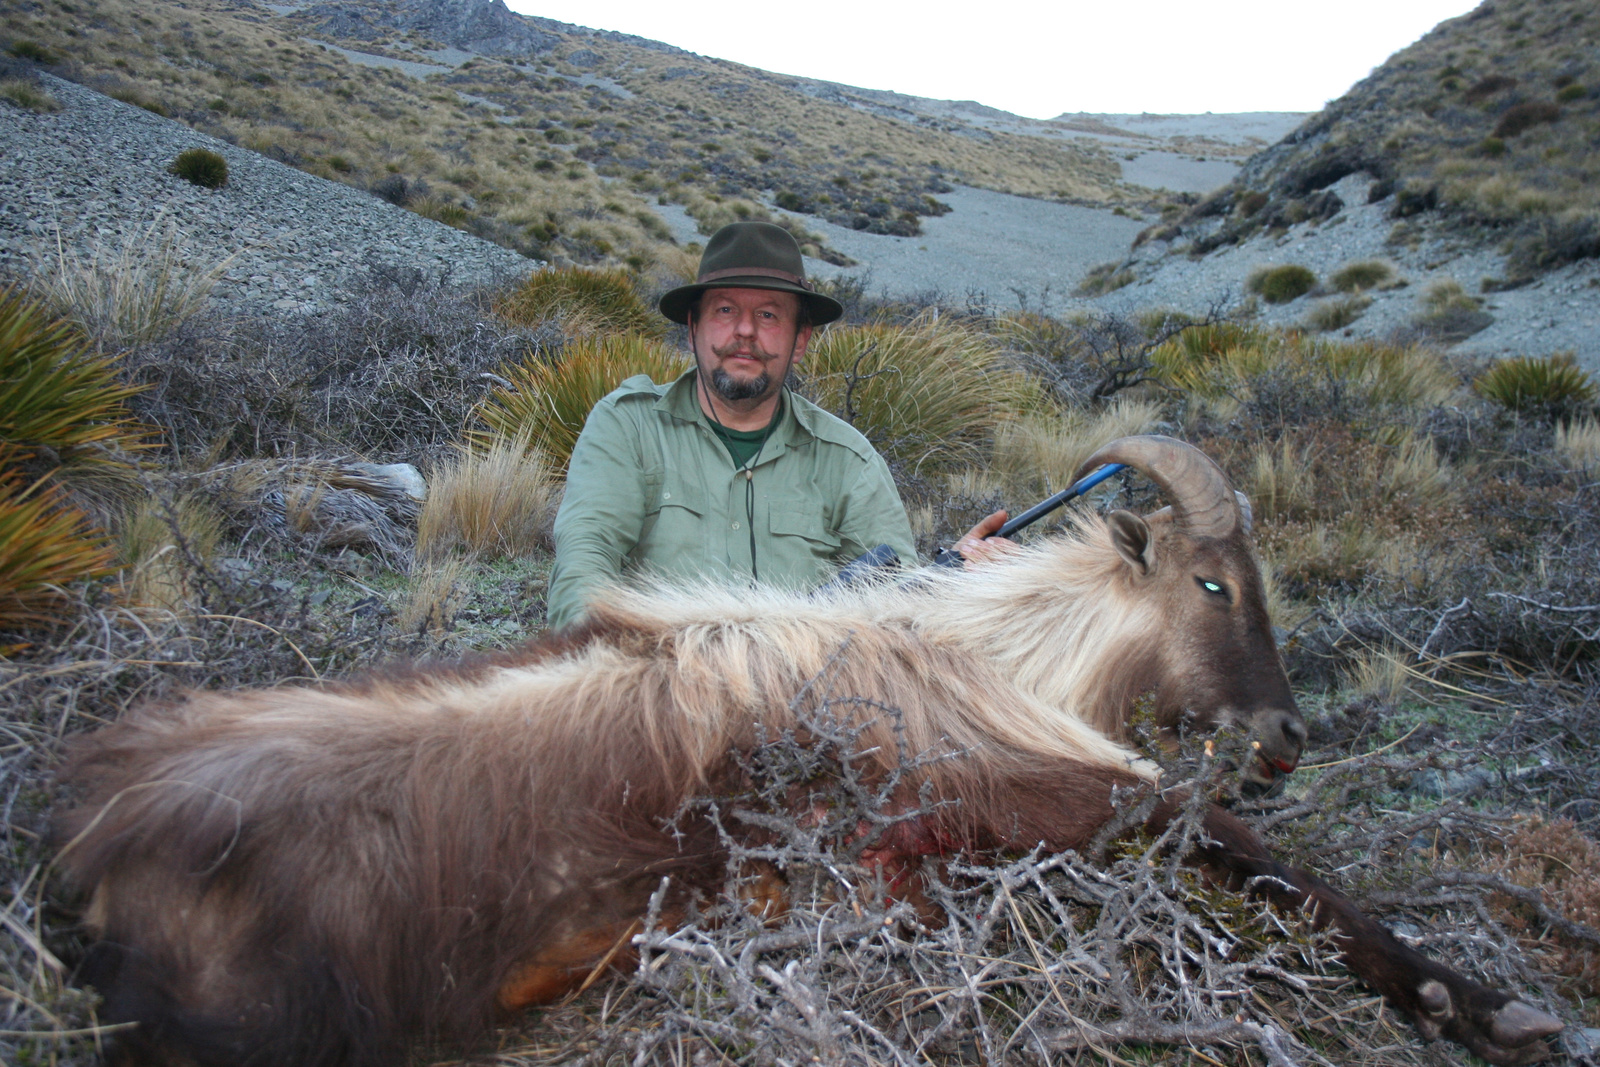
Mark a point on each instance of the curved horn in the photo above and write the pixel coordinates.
(1202, 500)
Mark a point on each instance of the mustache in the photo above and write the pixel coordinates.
(736, 348)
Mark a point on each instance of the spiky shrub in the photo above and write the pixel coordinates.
(202, 167)
(582, 300)
(1551, 385)
(548, 399)
(930, 392)
(45, 544)
(1279, 285)
(1363, 274)
(60, 405)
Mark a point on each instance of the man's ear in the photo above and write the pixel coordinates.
(1131, 535)
(802, 337)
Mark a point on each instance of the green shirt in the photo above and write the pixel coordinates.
(652, 488)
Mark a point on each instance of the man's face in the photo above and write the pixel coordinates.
(745, 341)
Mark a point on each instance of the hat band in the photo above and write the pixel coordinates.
(754, 272)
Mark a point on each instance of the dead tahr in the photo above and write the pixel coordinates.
(300, 876)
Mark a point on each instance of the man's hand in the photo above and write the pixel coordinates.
(979, 544)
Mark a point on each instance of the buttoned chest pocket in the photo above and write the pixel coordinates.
(803, 528)
(674, 523)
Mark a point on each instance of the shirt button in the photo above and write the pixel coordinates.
(735, 526)
(666, 496)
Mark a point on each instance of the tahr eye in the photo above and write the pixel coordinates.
(1211, 587)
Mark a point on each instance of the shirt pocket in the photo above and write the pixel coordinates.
(806, 526)
(675, 533)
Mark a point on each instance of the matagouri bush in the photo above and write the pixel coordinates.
(1432, 558)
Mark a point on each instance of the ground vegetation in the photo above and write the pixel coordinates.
(1433, 560)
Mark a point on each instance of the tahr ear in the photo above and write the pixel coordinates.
(1131, 535)
(1246, 517)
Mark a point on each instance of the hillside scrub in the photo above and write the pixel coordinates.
(1432, 559)
(557, 153)
(1485, 123)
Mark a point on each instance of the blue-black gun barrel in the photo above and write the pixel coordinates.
(1045, 507)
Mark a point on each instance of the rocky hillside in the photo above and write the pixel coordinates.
(551, 139)
(1453, 195)
(1489, 123)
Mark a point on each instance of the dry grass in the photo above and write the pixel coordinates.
(1039, 454)
(158, 546)
(1578, 442)
(494, 502)
(133, 294)
(435, 596)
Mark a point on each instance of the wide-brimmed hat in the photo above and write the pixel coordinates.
(751, 255)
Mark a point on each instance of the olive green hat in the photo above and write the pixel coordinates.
(751, 255)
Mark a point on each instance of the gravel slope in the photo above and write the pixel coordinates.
(96, 170)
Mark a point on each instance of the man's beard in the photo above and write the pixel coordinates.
(730, 388)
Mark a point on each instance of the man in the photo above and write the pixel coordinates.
(724, 472)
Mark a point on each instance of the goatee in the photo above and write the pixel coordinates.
(730, 388)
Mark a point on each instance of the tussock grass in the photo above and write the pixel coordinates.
(1213, 362)
(158, 546)
(1329, 315)
(60, 403)
(202, 167)
(1038, 454)
(498, 501)
(28, 95)
(582, 300)
(1280, 285)
(133, 294)
(927, 394)
(1578, 441)
(435, 598)
(1362, 275)
(45, 544)
(547, 400)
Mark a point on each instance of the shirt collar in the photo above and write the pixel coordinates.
(794, 426)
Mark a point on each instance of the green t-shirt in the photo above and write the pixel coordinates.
(743, 444)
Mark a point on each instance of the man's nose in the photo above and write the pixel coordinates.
(745, 324)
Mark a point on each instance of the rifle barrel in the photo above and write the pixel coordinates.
(1045, 507)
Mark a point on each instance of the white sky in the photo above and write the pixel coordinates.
(1041, 59)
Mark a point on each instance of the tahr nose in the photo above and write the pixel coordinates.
(1283, 738)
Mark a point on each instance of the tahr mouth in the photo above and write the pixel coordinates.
(1265, 776)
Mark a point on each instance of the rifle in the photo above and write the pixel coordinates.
(883, 557)
(949, 557)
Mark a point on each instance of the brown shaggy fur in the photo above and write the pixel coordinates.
(320, 876)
